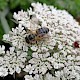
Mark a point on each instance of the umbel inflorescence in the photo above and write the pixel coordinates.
(56, 57)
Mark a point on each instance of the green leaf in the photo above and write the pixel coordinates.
(14, 3)
(29, 56)
(25, 4)
(3, 4)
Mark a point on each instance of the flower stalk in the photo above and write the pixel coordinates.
(4, 21)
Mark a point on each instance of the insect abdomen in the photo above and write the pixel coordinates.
(42, 30)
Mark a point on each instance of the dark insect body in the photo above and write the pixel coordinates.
(37, 36)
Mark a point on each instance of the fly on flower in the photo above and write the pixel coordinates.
(37, 35)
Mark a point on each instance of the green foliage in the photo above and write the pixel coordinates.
(23, 4)
(1, 32)
(3, 4)
(14, 3)
(72, 6)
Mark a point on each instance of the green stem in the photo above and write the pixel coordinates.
(4, 21)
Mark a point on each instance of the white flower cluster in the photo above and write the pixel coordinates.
(12, 61)
(56, 57)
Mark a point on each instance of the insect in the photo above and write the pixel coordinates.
(38, 35)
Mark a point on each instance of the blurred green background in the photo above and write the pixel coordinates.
(8, 7)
